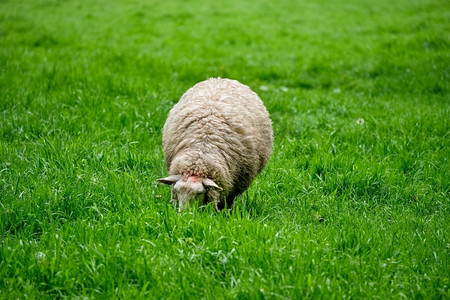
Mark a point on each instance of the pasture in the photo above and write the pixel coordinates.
(354, 202)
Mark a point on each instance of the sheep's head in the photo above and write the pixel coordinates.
(188, 190)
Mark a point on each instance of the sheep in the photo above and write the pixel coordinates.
(216, 140)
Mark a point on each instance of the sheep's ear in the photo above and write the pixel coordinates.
(170, 180)
(209, 183)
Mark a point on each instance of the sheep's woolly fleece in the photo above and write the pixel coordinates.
(221, 130)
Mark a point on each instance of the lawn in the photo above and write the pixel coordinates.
(354, 202)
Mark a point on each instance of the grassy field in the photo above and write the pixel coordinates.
(353, 204)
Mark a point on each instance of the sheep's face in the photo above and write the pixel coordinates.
(188, 191)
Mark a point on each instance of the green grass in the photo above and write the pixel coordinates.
(343, 210)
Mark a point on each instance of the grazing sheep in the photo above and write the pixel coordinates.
(216, 140)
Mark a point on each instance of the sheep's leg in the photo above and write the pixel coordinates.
(216, 204)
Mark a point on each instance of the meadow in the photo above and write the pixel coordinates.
(354, 202)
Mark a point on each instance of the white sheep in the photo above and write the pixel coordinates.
(216, 140)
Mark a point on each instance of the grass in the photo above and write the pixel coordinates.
(345, 208)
